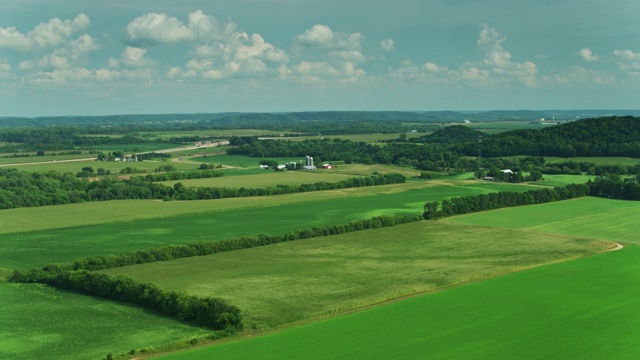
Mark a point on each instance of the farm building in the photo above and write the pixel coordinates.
(506, 171)
(327, 166)
(309, 165)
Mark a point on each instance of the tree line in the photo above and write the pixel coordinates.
(211, 312)
(491, 201)
(615, 187)
(22, 189)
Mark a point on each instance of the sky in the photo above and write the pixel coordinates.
(78, 57)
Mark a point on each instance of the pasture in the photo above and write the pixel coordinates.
(135, 148)
(580, 309)
(68, 232)
(39, 322)
(595, 160)
(9, 161)
(288, 282)
(563, 180)
(165, 135)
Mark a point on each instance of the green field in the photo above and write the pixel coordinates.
(288, 282)
(563, 180)
(39, 322)
(265, 179)
(590, 217)
(106, 229)
(5, 161)
(130, 148)
(114, 167)
(595, 160)
(582, 309)
(208, 133)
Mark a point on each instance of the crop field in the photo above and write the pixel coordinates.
(115, 233)
(589, 217)
(581, 309)
(595, 160)
(39, 322)
(265, 179)
(204, 133)
(563, 180)
(288, 282)
(130, 148)
(32, 159)
(114, 167)
(367, 138)
(241, 160)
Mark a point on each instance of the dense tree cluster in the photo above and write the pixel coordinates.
(207, 311)
(451, 134)
(608, 136)
(615, 187)
(483, 202)
(22, 189)
(182, 175)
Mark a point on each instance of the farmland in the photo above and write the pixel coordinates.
(112, 232)
(295, 281)
(576, 309)
(464, 286)
(41, 322)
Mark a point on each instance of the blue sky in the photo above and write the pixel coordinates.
(77, 57)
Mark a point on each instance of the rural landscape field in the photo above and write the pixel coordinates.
(387, 252)
(319, 180)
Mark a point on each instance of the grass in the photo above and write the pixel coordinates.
(595, 160)
(582, 309)
(588, 217)
(241, 160)
(289, 282)
(563, 180)
(39, 322)
(68, 232)
(130, 148)
(264, 179)
(114, 167)
(204, 133)
(32, 159)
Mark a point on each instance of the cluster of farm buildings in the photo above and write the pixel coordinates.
(295, 165)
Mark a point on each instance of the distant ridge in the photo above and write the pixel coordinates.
(329, 116)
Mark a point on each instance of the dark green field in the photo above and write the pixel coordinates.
(39, 322)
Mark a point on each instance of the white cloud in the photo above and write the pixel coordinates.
(498, 61)
(431, 67)
(387, 45)
(52, 33)
(628, 61)
(317, 35)
(132, 57)
(153, 29)
(587, 55)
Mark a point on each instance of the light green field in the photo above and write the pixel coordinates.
(119, 227)
(39, 322)
(288, 282)
(114, 167)
(268, 178)
(34, 159)
(205, 133)
(595, 160)
(127, 148)
(367, 138)
(590, 217)
(581, 309)
(241, 160)
(563, 180)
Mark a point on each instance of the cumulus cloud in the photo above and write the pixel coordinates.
(323, 37)
(587, 55)
(49, 34)
(387, 45)
(498, 60)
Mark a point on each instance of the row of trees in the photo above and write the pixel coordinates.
(483, 202)
(22, 189)
(214, 313)
(201, 248)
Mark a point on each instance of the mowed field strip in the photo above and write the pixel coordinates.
(288, 282)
